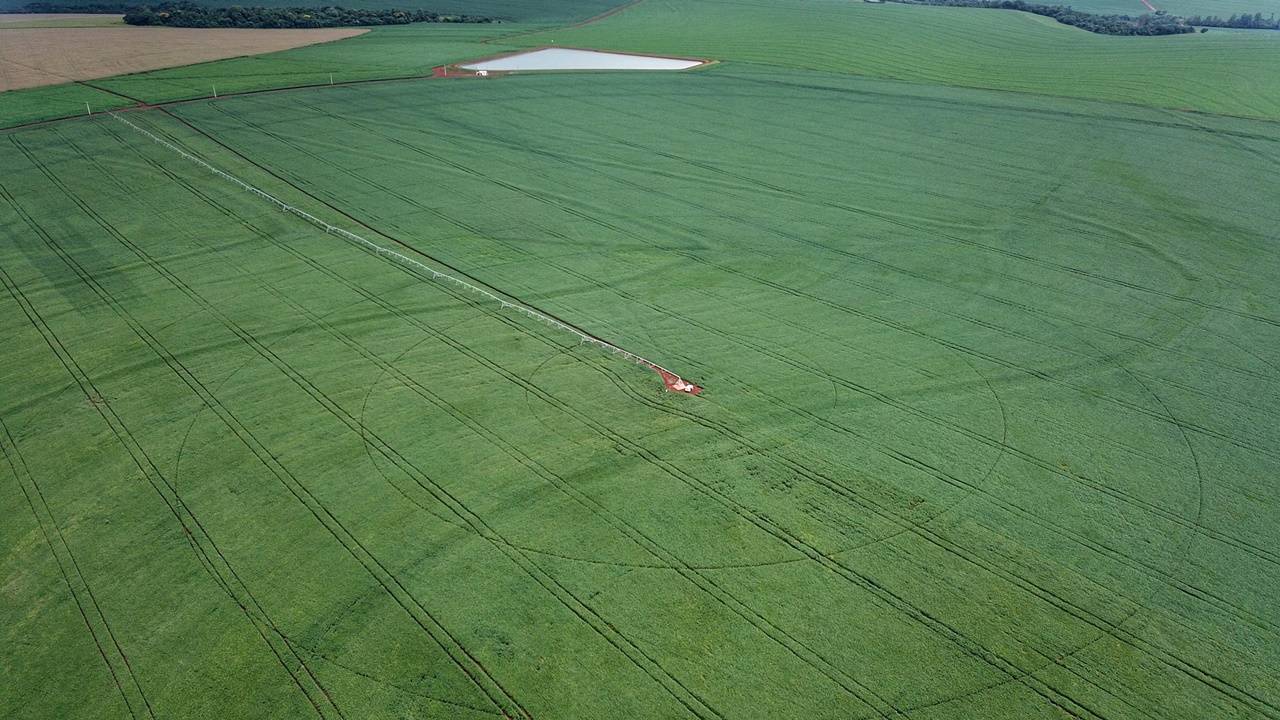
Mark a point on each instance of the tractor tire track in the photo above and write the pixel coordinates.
(895, 601)
(27, 483)
(866, 315)
(646, 543)
(412, 692)
(648, 664)
(1000, 445)
(473, 230)
(928, 620)
(216, 565)
(861, 257)
(690, 699)
(1168, 578)
(242, 432)
(277, 176)
(510, 146)
(1125, 637)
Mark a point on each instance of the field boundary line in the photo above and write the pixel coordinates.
(395, 256)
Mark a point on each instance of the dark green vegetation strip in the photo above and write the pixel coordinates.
(1243, 21)
(192, 15)
(550, 11)
(990, 427)
(108, 8)
(1185, 8)
(1157, 23)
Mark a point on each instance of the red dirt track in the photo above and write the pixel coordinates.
(676, 384)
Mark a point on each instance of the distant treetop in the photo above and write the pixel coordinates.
(188, 14)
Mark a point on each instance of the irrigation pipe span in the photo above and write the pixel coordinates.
(377, 249)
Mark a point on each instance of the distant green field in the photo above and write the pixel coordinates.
(989, 430)
(1221, 72)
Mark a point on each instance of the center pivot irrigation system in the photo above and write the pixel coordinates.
(672, 381)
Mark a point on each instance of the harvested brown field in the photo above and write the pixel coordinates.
(29, 20)
(30, 57)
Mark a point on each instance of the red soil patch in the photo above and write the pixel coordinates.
(453, 71)
(677, 384)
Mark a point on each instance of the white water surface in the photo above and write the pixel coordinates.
(566, 59)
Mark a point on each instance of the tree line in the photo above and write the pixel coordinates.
(182, 13)
(190, 15)
(1245, 21)
(1159, 23)
(97, 8)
